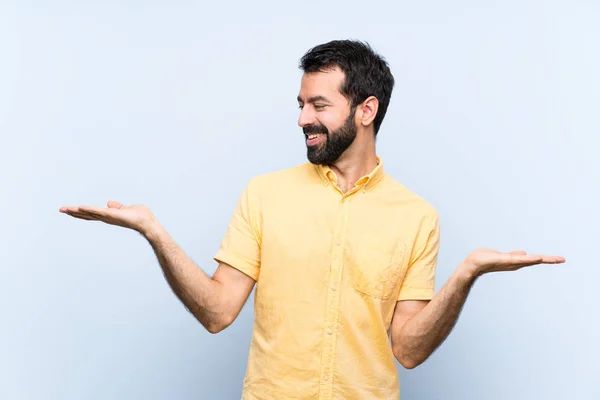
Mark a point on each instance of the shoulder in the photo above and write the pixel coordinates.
(274, 183)
(410, 202)
(284, 177)
(407, 196)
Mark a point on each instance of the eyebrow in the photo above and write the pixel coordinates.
(314, 99)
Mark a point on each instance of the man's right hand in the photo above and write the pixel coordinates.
(215, 301)
(136, 217)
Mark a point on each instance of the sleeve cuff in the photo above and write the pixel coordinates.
(237, 263)
(416, 294)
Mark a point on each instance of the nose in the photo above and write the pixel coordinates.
(306, 117)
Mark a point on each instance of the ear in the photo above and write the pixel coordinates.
(368, 110)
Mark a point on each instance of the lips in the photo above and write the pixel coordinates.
(313, 139)
(314, 129)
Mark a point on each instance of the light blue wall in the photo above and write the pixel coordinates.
(494, 120)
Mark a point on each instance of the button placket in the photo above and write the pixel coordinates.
(333, 303)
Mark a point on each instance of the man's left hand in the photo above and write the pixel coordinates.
(483, 261)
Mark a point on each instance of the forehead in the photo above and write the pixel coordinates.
(326, 83)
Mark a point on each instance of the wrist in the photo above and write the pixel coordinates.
(151, 230)
(468, 272)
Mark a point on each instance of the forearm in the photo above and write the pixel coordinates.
(423, 333)
(197, 291)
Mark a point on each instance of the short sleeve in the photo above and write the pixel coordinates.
(419, 280)
(240, 247)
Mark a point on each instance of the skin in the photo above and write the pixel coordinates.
(418, 327)
(360, 158)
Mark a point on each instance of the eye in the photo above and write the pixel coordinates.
(319, 106)
(300, 106)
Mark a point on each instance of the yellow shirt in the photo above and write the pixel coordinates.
(329, 268)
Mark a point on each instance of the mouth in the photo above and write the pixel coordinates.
(314, 139)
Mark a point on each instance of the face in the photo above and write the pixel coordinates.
(326, 117)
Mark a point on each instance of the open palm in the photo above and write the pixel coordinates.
(488, 260)
(135, 217)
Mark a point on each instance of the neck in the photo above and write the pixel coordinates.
(353, 165)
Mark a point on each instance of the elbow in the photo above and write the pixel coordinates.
(408, 362)
(218, 325)
(214, 328)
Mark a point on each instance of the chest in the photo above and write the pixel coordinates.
(360, 240)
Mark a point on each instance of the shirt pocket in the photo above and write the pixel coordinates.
(376, 269)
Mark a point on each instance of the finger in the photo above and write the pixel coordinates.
(553, 259)
(520, 261)
(97, 212)
(520, 258)
(92, 211)
(521, 252)
(545, 259)
(67, 210)
(114, 204)
(79, 209)
(81, 216)
(85, 212)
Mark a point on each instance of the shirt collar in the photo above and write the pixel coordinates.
(366, 182)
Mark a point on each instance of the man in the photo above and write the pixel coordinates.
(343, 257)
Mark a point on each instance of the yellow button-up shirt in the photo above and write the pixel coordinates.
(330, 267)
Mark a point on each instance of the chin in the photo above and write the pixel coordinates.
(316, 160)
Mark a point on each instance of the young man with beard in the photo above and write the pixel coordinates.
(342, 255)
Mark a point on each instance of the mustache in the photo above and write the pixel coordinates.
(309, 129)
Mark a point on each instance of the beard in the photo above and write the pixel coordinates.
(334, 144)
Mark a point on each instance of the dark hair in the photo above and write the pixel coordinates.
(366, 72)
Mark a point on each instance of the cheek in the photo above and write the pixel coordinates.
(332, 121)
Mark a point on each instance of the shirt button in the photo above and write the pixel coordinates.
(338, 242)
(329, 332)
(334, 288)
(326, 378)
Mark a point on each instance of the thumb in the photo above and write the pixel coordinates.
(519, 252)
(114, 204)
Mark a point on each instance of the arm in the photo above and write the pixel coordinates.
(418, 328)
(215, 302)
